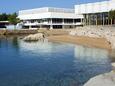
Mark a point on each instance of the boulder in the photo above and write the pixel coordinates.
(107, 79)
(34, 37)
(113, 66)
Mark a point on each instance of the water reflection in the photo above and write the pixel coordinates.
(112, 55)
(9, 41)
(46, 63)
(88, 59)
(45, 48)
(15, 42)
(36, 48)
(90, 54)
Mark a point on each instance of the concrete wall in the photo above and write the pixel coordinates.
(49, 15)
(47, 12)
(96, 7)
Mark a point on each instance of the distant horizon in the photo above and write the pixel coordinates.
(17, 5)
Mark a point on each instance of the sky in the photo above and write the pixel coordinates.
(11, 6)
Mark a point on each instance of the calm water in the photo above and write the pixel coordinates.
(49, 63)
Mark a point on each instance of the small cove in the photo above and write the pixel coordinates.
(46, 63)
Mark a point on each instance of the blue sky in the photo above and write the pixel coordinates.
(10, 6)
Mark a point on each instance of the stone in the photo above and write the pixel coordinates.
(97, 32)
(34, 37)
(107, 79)
(113, 66)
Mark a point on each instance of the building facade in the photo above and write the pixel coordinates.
(51, 18)
(96, 13)
(3, 24)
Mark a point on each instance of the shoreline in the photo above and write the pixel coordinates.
(82, 40)
(65, 36)
(106, 79)
(17, 32)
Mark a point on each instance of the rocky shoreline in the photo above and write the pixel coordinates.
(96, 32)
(87, 32)
(107, 79)
(101, 37)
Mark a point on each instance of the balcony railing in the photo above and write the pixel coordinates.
(49, 23)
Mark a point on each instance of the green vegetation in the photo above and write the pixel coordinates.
(12, 18)
(112, 16)
(4, 17)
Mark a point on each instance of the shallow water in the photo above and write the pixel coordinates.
(49, 63)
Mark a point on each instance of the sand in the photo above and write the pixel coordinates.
(82, 40)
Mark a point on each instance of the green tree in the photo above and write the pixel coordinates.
(3, 17)
(13, 19)
(112, 16)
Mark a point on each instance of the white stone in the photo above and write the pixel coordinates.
(98, 32)
(113, 65)
(107, 79)
(34, 37)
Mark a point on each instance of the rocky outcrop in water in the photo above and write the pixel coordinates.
(34, 37)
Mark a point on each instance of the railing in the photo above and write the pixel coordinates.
(47, 23)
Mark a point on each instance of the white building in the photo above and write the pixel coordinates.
(95, 13)
(48, 17)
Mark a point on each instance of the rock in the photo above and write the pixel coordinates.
(34, 37)
(113, 66)
(97, 32)
(107, 79)
(72, 33)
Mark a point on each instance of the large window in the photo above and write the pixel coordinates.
(56, 20)
(96, 19)
(57, 26)
(68, 20)
(77, 20)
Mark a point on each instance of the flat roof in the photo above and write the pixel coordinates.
(46, 9)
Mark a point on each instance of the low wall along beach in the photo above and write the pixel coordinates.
(17, 32)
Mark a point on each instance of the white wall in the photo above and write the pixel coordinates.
(49, 15)
(47, 12)
(34, 16)
(96, 7)
(46, 9)
(65, 15)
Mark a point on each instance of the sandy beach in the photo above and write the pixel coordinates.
(82, 40)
